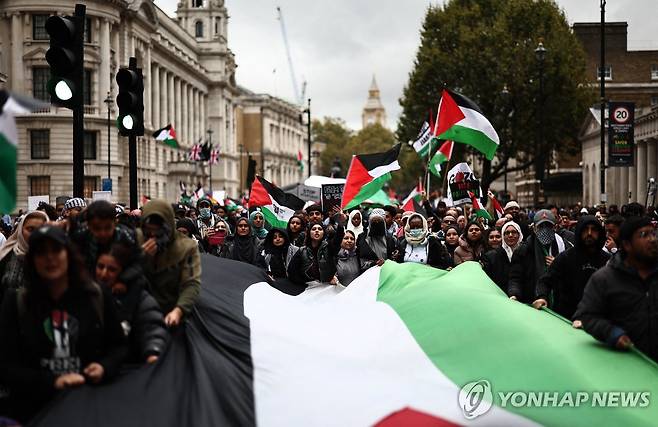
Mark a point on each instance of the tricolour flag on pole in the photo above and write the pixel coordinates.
(276, 205)
(10, 106)
(442, 155)
(478, 210)
(425, 141)
(367, 174)
(461, 120)
(412, 201)
(498, 209)
(300, 163)
(167, 135)
(401, 342)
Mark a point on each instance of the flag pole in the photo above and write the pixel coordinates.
(445, 178)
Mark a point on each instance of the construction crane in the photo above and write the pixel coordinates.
(299, 98)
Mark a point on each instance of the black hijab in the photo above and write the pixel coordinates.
(243, 246)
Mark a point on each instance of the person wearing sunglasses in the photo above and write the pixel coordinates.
(620, 303)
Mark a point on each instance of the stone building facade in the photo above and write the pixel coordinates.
(270, 130)
(188, 82)
(629, 76)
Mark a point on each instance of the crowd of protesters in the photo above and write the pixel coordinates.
(89, 290)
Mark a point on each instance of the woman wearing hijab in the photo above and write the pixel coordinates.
(12, 253)
(277, 253)
(257, 221)
(496, 262)
(355, 223)
(348, 263)
(452, 241)
(420, 246)
(245, 246)
(295, 230)
(315, 262)
(471, 244)
(375, 244)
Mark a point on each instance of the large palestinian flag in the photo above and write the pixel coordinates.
(11, 105)
(367, 174)
(393, 349)
(277, 206)
(461, 120)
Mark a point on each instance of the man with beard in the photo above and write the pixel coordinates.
(564, 282)
(612, 229)
(376, 244)
(620, 303)
(531, 260)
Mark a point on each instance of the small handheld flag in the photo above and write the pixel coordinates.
(167, 135)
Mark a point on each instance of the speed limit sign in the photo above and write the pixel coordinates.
(621, 114)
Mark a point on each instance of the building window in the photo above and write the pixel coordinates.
(39, 27)
(217, 22)
(654, 72)
(91, 185)
(40, 77)
(40, 144)
(607, 72)
(88, 87)
(198, 29)
(197, 3)
(654, 100)
(39, 185)
(90, 145)
(88, 30)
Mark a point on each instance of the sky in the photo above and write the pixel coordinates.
(338, 46)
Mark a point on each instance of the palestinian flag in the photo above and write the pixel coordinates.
(425, 141)
(412, 202)
(395, 348)
(367, 174)
(444, 154)
(498, 209)
(10, 106)
(300, 163)
(461, 120)
(167, 135)
(478, 210)
(277, 207)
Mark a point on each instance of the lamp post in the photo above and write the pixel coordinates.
(505, 95)
(540, 54)
(108, 101)
(209, 132)
(604, 197)
(241, 148)
(307, 111)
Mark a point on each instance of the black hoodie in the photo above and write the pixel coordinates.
(564, 282)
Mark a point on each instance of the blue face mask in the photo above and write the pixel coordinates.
(205, 213)
(416, 232)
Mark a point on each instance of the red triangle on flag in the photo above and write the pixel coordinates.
(258, 196)
(357, 177)
(449, 113)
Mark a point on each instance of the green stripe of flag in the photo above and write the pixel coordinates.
(7, 175)
(470, 330)
(475, 138)
(368, 190)
(271, 218)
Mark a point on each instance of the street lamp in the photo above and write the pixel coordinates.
(505, 94)
(108, 101)
(209, 132)
(540, 54)
(307, 111)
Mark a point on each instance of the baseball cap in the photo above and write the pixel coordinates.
(56, 234)
(542, 216)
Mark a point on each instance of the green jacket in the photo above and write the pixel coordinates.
(175, 271)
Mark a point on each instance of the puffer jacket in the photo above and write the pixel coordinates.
(564, 282)
(141, 319)
(467, 252)
(300, 269)
(618, 301)
(174, 273)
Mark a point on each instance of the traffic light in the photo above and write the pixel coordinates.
(66, 58)
(130, 100)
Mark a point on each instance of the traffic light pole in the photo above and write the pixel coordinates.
(132, 170)
(79, 111)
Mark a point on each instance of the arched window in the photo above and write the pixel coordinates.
(198, 29)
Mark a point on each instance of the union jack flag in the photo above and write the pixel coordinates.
(214, 157)
(195, 152)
